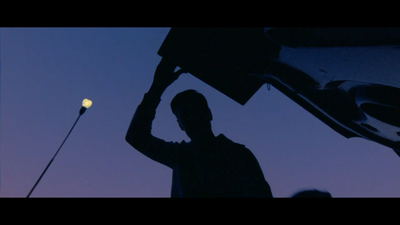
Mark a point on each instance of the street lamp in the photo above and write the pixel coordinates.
(85, 105)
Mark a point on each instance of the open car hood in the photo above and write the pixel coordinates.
(346, 77)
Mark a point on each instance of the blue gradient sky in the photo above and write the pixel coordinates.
(47, 72)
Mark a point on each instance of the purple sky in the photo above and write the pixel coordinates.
(47, 72)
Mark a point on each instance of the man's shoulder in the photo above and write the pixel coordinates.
(226, 141)
(237, 150)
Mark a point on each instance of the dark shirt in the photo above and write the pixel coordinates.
(218, 169)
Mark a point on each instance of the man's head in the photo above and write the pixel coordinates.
(192, 112)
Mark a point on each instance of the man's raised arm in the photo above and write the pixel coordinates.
(139, 132)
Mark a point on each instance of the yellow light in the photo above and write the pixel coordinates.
(86, 103)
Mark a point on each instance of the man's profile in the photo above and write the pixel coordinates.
(208, 165)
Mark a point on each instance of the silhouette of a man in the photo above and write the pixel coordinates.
(208, 165)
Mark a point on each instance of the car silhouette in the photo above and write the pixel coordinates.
(346, 77)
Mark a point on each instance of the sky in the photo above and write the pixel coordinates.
(47, 72)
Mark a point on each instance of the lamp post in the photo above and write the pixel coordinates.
(85, 105)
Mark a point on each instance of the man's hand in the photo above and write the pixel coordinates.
(165, 75)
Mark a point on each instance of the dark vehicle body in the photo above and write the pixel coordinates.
(346, 77)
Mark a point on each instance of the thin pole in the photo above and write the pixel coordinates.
(48, 165)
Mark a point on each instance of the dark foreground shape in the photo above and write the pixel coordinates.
(346, 77)
(312, 194)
